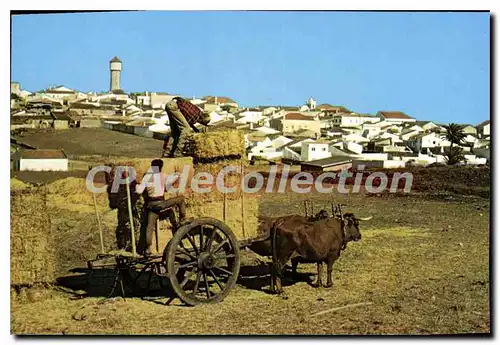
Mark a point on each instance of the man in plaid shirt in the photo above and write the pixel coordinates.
(182, 117)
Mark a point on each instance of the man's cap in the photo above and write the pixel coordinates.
(157, 163)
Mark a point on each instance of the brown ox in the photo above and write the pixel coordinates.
(318, 242)
(262, 245)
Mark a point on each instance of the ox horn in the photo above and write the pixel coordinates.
(365, 218)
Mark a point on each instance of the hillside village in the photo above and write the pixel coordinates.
(321, 137)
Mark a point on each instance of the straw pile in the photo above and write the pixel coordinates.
(216, 145)
(16, 184)
(32, 256)
(211, 204)
(234, 217)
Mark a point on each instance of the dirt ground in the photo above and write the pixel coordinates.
(422, 267)
(84, 143)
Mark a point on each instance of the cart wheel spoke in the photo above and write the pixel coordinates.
(223, 257)
(201, 238)
(223, 270)
(189, 264)
(193, 244)
(185, 252)
(187, 277)
(197, 282)
(207, 290)
(216, 280)
(220, 245)
(210, 240)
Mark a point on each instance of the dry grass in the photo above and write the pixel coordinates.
(16, 184)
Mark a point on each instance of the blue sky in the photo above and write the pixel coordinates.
(433, 66)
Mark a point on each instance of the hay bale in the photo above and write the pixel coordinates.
(71, 193)
(234, 219)
(216, 145)
(32, 254)
(16, 184)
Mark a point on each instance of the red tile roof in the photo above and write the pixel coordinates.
(325, 106)
(220, 100)
(395, 115)
(298, 116)
(42, 154)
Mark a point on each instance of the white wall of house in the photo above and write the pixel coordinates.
(290, 126)
(470, 139)
(353, 120)
(268, 153)
(354, 147)
(383, 164)
(373, 156)
(355, 138)
(60, 164)
(476, 161)
(427, 141)
(486, 130)
(314, 151)
(291, 154)
(249, 116)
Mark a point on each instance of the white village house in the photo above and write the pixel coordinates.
(40, 160)
(311, 151)
(483, 129)
(353, 119)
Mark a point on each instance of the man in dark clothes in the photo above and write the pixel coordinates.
(182, 117)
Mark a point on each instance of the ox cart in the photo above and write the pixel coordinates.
(201, 262)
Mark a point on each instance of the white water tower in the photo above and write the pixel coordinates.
(115, 67)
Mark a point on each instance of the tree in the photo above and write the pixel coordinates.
(455, 135)
(454, 156)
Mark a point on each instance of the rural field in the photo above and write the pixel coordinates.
(421, 267)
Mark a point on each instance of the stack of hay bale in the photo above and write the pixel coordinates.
(216, 145)
(212, 151)
(33, 255)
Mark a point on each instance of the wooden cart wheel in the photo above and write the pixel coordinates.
(203, 261)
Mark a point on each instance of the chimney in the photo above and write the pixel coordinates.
(251, 125)
(216, 100)
(123, 112)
